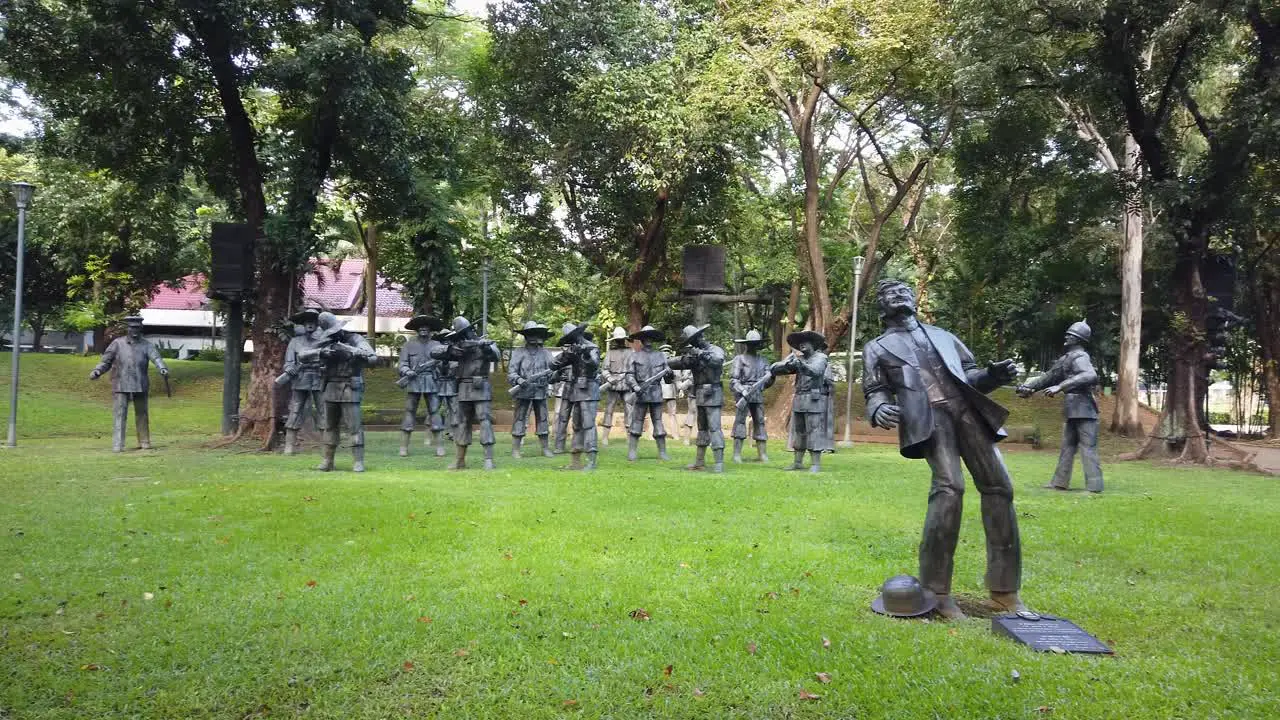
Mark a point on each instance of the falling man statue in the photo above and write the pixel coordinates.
(345, 355)
(474, 356)
(1074, 376)
(922, 380)
(812, 398)
(706, 364)
(529, 375)
(305, 379)
(127, 358)
(748, 370)
(644, 382)
(581, 358)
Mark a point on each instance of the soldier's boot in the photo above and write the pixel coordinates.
(460, 461)
(591, 462)
(737, 450)
(719, 462)
(357, 457)
(604, 435)
(488, 457)
(326, 464)
(546, 451)
(662, 448)
(632, 442)
(290, 441)
(1008, 602)
(948, 608)
(816, 467)
(435, 440)
(575, 460)
(764, 457)
(699, 460)
(798, 463)
(688, 436)
(516, 442)
(144, 438)
(405, 437)
(559, 447)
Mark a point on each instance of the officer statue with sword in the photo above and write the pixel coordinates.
(529, 374)
(647, 369)
(418, 380)
(127, 358)
(474, 356)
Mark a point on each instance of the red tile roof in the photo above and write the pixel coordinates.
(190, 296)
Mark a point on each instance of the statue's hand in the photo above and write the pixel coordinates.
(887, 416)
(164, 372)
(1003, 369)
(94, 375)
(409, 374)
(1023, 391)
(1051, 391)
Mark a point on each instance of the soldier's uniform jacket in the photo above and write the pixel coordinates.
(127, 360)
(811, 382)
(446, 377)
(307, 375)
(644, 365)
(583, 384)
(412, 356)
(745, 372)
(527, 362)
(707, 367)
(344, 374)
(1074, 373)
(617, 362)
(474, 360)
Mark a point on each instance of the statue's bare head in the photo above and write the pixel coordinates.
(896, 299)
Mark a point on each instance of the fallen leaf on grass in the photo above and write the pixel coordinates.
(148, 596)
(751, 648)
(413, 516)
(308, 498)
(506, 556)
(697, 692)
(570, 703)
(806, 695)
(668, 670)
(639, 614)
(823, 678)
(408, 666)
(460, 652)
(311, 583)
(91, 667)
(410, 598)
(826, 642)
(523, 602)
(17, 576)
(168, 604)
(424, 619)
(1044, 709)
(684, 565)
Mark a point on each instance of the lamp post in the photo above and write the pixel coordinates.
(22, 194)
(853, 339)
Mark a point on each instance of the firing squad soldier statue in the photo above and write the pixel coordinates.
(127, 358)
(749, 369)
(614, 381)
(706, 363)
(812, 398)
(345, 355)
(644, 381)
(305, 379)
(474, 357)
(447, 393)
(418, 380)
(581, 358)
(1074, 376)
(922, 380)
(670, 395)
(529, 374)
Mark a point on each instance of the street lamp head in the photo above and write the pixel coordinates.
(22, 194)
(857, 264)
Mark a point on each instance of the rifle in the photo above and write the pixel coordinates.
(168, 391)
(649, 381)
(424, 366)
(542, 378)
(755, 387)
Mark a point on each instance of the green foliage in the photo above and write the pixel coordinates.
(210, 354)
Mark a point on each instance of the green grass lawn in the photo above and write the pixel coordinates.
(193, 583)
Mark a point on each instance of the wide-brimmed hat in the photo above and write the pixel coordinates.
(648, 332)
(424, 321)
(570, 333)
(690, 332)
(753, 338)
(133, 320)
(818, 339)
(904, 596)
(619, 335)
(331, 323)
(533, 327)
(304, 316)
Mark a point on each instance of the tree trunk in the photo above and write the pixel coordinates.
(1126, 419)
(371, 279)
(819, 295)
(37, 332)
(1266, 293)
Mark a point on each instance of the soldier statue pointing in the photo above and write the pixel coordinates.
(1073, 376)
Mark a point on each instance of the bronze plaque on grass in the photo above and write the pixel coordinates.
(1048, 634)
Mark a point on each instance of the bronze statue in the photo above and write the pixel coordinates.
(581, 358)
(418, 380)
(305, 379)
(922, 380)
(345, 355)
(748, 369)
(613, 380)
(529, 374)
(812, 400)
(447, 392)
(127, 358)
(684, 388)
(1074, 376)
(670, 395)
(474, 357)
(706, 362)
(644, 378)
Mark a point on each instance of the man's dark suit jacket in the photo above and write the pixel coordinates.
(891, 371)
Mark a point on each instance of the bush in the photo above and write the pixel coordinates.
(210, 354)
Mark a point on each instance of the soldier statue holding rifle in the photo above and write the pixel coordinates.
(644, 381)
(706, 364)
(613, 379)
(810, 403)
(345, 355)
(748, 377)
(1073, 376)
(529, 374)
(305, 379)
(922, 380)
(418, 380)
(581, 358)
(127, 358)
(474, 356)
